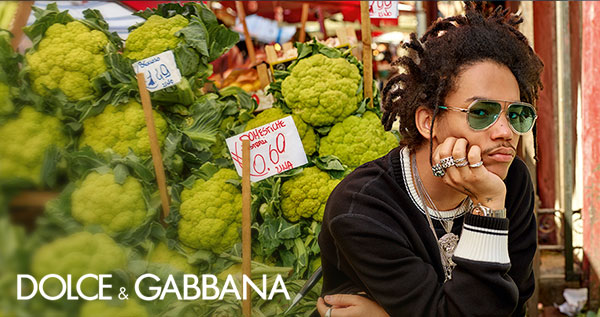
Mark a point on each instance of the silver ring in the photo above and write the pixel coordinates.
(460, 160)
(328, 313)
(463, 164)
(476, 164)
(447, 162)
(438, 171)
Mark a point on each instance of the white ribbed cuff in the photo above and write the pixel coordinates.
(483, 244)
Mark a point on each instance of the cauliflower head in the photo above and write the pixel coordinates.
(322, 90)
(211, 213)
(155, 36)
(78, 254)
(306, 132)
(116, 207)
(120, 128)
(305, 195)
(67, 58)
(25, 140)
(356, 141)
(163, 255)
(128, 308)
(6, 104)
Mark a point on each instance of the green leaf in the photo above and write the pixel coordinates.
(222, 39)
(49, 169)
(202, 125)
(43, 20)
(121, 173)
(94, 20)
(329, 163)
(187, 60)
(196, 35)
(206, 171)
(323, 130)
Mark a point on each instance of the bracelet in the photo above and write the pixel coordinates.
(482, 210)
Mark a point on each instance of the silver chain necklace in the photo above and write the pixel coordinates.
(447, 243)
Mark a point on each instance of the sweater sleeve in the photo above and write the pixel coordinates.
(405, 284)
(522, 240)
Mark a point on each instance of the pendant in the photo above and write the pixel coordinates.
(448, 244)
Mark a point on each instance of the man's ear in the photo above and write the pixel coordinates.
(423, 118)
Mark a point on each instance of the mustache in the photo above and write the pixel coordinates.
(503, 145)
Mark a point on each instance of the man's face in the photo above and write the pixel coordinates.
(498, 143)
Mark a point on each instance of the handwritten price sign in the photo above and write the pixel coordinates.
(274, 148)
(383, 9)
(159, 70)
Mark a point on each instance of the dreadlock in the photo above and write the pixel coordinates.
(428, 73)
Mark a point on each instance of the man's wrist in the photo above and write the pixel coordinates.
(482, 210)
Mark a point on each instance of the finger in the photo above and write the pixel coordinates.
(445, 149)
(321, 307)
(459, 151)
(441, 152)
(474, 158)
(342, 299)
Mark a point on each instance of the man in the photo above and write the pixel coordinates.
(391, 228)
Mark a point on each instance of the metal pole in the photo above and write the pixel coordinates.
(565, 128)
(421, 19)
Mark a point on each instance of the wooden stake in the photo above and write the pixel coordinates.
(303, 19)
(365, 23)
(154, 147)
(19, 22)
(246, 222)
(239, 7)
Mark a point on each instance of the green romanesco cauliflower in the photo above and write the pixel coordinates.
(6, 104)
(155, 36)
(122, 128)
(25, 140)
(163, 255)
(67, 58)
(211, 213)
(127, 308)
(358, 140)
(78, 254)
(305, 195)
(322, 90)
(307, 134)
(100, 200)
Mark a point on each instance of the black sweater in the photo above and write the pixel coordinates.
(376, 240)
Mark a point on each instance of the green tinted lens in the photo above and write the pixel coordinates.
(521, 117)
(482, 114)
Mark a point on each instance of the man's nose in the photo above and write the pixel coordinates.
(501, 129)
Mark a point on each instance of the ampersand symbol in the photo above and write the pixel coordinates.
(122, 295)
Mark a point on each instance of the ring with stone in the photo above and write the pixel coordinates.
(476, 164)
(461, 162)
(328, 313)
(438, 171)
(447, 162)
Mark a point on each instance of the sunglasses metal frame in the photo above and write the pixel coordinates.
(510, 103)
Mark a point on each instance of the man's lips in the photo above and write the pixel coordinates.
(502, 154)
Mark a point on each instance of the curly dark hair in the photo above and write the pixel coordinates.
(430, 70)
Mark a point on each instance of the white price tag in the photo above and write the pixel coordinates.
(274, 148)
(383, 9)
(159, 70)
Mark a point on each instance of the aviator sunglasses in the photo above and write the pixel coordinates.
(482, 114)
